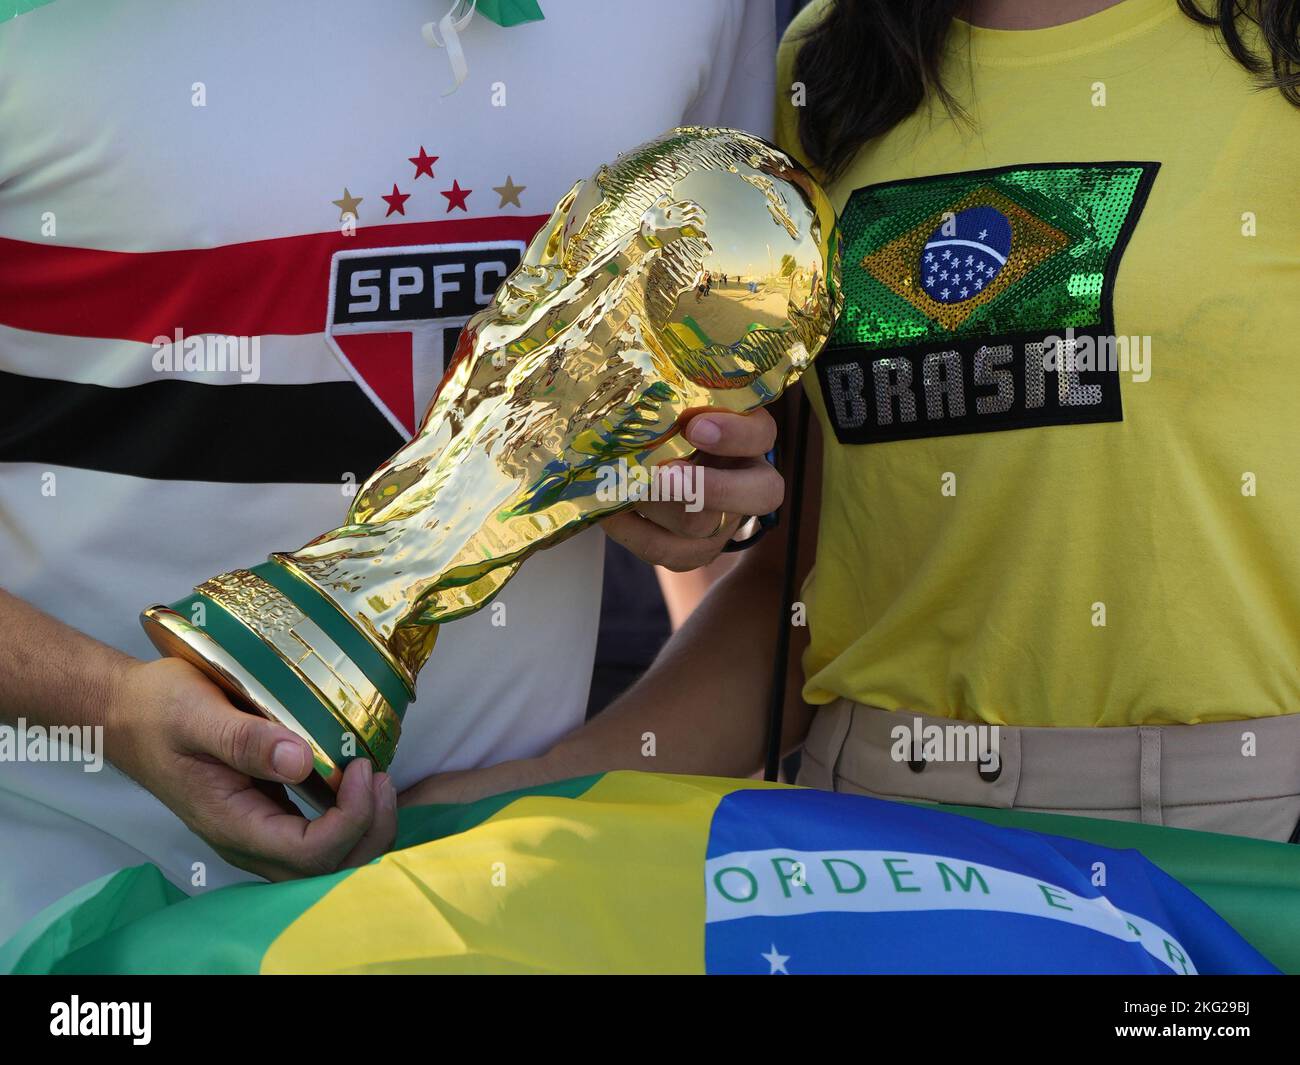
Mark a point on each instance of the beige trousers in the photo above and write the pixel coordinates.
(1236, 777)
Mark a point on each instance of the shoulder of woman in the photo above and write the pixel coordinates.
(787, 92)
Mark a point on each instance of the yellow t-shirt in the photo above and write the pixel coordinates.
(1020, 524)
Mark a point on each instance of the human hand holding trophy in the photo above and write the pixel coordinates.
(593, 351)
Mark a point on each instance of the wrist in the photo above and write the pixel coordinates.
(109, 699)
(564, 761)
(516, 775)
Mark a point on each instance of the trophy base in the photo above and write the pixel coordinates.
(175, 637)
(280, 648)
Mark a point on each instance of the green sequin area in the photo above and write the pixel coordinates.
(1066, 222)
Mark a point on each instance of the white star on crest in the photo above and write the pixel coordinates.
(776, 961)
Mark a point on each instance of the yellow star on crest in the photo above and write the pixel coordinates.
(509, 192)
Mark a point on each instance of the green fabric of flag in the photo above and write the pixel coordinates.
(510, 12)
(633, 872)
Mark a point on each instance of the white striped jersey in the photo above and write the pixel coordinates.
(197, 363)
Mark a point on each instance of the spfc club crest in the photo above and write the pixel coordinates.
(395, 313)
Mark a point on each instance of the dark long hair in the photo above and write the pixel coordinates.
(868, 64)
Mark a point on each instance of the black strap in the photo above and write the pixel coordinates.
(776, 700)
(765, 522)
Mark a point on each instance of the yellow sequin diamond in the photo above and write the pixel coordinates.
(897, 265)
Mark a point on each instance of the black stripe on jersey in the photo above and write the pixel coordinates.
(186, 431)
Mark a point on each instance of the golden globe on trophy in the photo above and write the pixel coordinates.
(698, 270)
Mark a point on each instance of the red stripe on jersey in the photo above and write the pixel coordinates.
(276, 286)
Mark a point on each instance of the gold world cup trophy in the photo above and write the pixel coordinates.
(699, 270)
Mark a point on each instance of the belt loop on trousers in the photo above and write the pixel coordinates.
(824, 744)
(836, 747)
(1149, 781)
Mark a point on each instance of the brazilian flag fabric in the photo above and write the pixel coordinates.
(648, 873)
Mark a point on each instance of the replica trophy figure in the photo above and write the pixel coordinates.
(615, 325)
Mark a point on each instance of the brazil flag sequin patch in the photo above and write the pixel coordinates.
(981, 301)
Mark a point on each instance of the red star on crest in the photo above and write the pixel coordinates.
(456, 197)
(397, 201)
(423, 163)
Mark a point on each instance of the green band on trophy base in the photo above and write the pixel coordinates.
(249, 650)
(340, 630)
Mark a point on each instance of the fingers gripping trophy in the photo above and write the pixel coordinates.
(593, 351)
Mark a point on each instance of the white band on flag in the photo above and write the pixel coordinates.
(784, 883)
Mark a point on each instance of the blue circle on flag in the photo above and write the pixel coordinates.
(965, 254)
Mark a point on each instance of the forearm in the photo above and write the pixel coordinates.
(51, 674)
(702, 706)
(683, 592)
